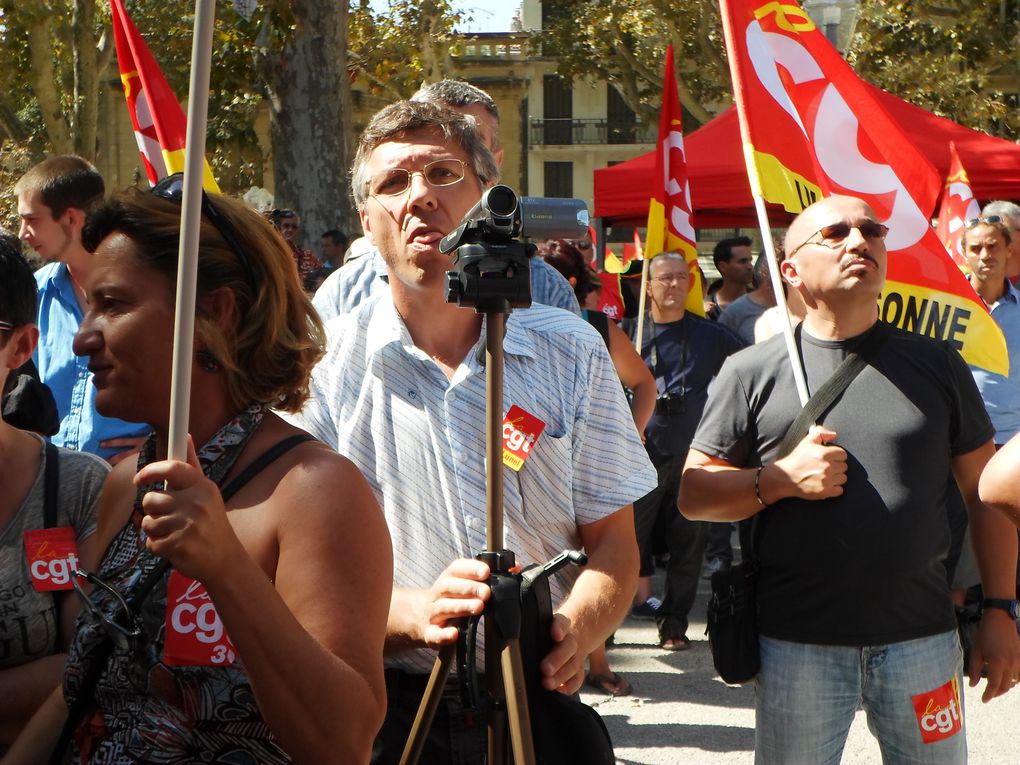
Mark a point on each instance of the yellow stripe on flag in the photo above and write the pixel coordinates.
(949, 317)
(174, 161)
(782, 185)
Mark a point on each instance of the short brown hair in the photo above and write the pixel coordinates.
(396, 120)
(275, 338)
(64, 181)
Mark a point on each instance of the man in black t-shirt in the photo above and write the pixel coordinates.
(854, 608)
(684, 353)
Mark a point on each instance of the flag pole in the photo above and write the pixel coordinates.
(638, 336)
(191, 221)
(759, 206)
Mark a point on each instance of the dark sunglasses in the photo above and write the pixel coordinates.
(835, 234)
(172, 188)
(120, 635)
(994, 220)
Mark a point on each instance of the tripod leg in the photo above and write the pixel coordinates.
(429, 704)
(517, 704)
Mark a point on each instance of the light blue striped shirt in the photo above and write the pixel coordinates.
(351, 284)
(419, 439)
(1002, 394)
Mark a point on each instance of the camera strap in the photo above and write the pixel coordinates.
(653, 355)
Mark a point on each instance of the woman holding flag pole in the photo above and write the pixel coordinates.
(228, 618)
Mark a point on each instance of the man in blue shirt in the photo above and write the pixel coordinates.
(53, 200)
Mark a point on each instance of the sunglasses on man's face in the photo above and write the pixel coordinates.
(834, 235)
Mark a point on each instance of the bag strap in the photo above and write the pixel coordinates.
(833, 388)
(51, 486)
(104, 650)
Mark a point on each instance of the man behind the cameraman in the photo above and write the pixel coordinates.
(401, 392)
(684, 352)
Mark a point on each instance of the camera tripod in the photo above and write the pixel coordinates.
(493, 278)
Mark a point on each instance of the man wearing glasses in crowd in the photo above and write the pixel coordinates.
(401, 392)
(853, 603)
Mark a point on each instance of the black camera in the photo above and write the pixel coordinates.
(669, 404)
(491, 271)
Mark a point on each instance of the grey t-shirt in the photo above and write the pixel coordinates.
(864, 568)
(741, 315)
(28, 618)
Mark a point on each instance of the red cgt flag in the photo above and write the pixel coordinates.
(160, 126)
(958, 207)
(811, 127)
(669, 210)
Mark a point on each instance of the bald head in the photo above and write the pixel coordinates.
(821, 213)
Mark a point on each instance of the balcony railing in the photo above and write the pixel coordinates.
(566, 131)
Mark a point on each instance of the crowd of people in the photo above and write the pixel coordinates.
(281, 595)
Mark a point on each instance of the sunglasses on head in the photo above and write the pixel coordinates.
(994, 220)
(172, 188)
(833, 235)
(6, 325)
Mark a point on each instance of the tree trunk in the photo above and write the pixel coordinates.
(86, 79)
(311, 121)
(44, 77)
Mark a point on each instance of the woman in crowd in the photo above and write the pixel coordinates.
(263, 640)
(635, 376)
(48, 493)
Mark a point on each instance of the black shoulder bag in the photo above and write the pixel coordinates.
(732, 608)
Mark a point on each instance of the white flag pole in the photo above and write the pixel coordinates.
(641, 304)
(191, 220)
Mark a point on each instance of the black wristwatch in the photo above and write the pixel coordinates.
(1011, 607)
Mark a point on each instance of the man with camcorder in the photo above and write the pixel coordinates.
(401, 392)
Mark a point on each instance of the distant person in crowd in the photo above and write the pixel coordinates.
(770, 323)
(334, 245)
(735, 263)
(348, 287)
(1009, 215)
(53, 200)
(401, 391)
(684, 353)
(257, 524)
(742, 314)
(853, 606)
(571, 261)
(288, 223)
(47, 491)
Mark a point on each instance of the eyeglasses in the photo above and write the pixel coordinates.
(670, 278)
(172, 188)
(835, 234)
(117, 632)
(994, 220)
(397, 180)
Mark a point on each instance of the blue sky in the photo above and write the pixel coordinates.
(487, 15)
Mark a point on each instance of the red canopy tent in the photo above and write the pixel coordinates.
(721, 194)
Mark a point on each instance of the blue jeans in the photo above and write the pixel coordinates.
(806, 696)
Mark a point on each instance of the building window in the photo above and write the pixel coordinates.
(558, 109)
(620, 118)
(559, 179)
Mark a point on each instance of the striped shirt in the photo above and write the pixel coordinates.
(353, 283)
(419, 439)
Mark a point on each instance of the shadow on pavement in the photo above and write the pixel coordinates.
(707, 738)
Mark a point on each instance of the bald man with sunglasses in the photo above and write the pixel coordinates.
(853, 604)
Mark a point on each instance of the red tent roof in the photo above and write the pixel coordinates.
(721, 194)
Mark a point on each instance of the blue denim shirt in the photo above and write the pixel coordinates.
(1002, 394)
(67, 375)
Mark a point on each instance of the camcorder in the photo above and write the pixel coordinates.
(491, 272)
(669, 404)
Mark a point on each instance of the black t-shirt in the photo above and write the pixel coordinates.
(684, 357)
(864, 568)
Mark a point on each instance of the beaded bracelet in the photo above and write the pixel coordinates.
(757, 486)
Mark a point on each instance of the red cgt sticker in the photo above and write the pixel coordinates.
(194, 633)
(520, 432)
(939, 712)
(52, 557)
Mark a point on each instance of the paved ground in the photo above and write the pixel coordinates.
(680, 712)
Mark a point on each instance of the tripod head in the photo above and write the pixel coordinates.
(490, 269)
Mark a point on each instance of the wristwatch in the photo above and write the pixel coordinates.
(1012, 607)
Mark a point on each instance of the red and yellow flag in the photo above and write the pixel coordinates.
(160, 126)
(811, 127)
(958, 207)
(669, 210)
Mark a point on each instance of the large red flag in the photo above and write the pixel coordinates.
(958, 207)
(160, 127)
(669, 210)
(810, 128)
